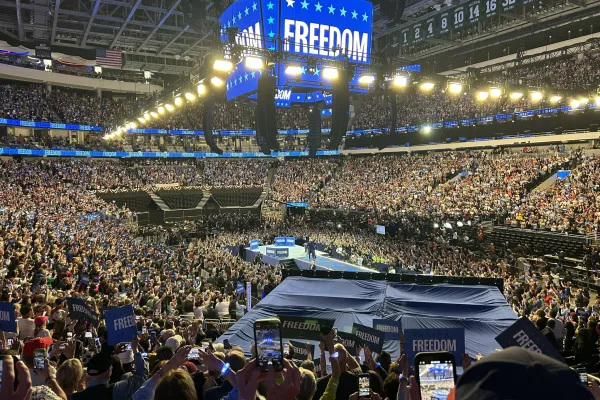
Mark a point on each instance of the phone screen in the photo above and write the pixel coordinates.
(128, 346)
(269, 349)
(98, 346)
(436, 378)
(583, 375)
(193, 354)
(1, 366)
(364, 386)
(39, 359)
(88, 334)
(144, 330)
(286, 349)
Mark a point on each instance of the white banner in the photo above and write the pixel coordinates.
(249, 295)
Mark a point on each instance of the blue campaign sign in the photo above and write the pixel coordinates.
(254, 244)
(524, 333)
(240, 288)
(7, 317)
(391, 329)
(300, 204)
(120, 325)
(278, 252)
(290, 241)
(241, 81)
(279, 241)
(426, 340)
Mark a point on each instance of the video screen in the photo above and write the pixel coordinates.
(268, 345)
(436, 380)
(363, 386)
(380, 229)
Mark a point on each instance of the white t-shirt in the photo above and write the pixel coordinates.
(26, 327)
(223, 309)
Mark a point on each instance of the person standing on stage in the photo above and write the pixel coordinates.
(311, 251)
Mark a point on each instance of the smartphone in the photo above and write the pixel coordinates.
(69, 335)
(98, 346)
(436, 374)
(128, 346)
(268, 344)
(9, 342)
(204, 345)
(39, 359)
(88, 334)
(583, 376)
(286, 349)
(144, 330)
(226, 344)
(193, 354)
(1, 366)
(364, 387)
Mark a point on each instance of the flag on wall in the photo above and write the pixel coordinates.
(109, 58)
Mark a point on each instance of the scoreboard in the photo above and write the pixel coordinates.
(456, 19)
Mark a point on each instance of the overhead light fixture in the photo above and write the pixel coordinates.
(222, 65)
(178, 101)
(400, 81)
(141, 119)
(482, 95)
(574, 104)
(495, 92)
(147, 116)
(215, 80)
(201, 89)
(190, 96)
(597, 100)
(330, 73)
(254, 63)
(516, 95)
(132, 125)
(536, 96)
(169, 107)
(555, 99)
(454, 88)
(127, 126)
(427, 86)
(366, 79)
(427, 129)
(293, 70)
(161, 110)
(583, 100)
(154, 115)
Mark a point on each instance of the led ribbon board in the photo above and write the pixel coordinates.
(325, 30)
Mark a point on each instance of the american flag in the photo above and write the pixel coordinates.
(109, 58)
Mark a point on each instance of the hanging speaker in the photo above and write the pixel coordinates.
(314, 130)
(340, 96)
(267, 89)
(207, 126)
(260, 131)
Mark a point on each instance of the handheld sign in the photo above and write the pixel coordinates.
(78, 309)
(524, 333)
(120, 325)
(391, 329)
(425, 340)
(254, 244)
(303, 327)
(369, 337)
(240, 288)
(349, 341)
(7, 317)
(300, 352)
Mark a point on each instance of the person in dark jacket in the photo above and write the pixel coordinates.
(570, 332)
(548, 332)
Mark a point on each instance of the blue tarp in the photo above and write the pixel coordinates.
(481, 310)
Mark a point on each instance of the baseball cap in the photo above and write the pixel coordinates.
(34, 344)
(99, 364)
(41, 320)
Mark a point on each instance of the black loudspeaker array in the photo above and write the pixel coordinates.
(207, 126)
(260, 131)
(265, 110)
(340, 96)
(314, 130)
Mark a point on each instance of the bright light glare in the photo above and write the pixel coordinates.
(574, 104)
(516, 95)
(536, 96)
(178, 101)
(427, 86)
(455, 88)
(169, 108)
(132, 125)
(141, 119)
(330, 73)
(161, 110)
(400, 81)
(127, 126)
(555, 99)
(598, 100)
(427, 129)
(293, 70)
(366, 79)
(147, 116)
(201, 89)
(222, 65)
(216, 81)
(583, 100)
(482, 95)
(190, 96)
(495, 93)
(254, 63)
(154, 115)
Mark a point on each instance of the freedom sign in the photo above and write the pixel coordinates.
(303, 327)
(254, 244)
(369, 337)
(7, 317)
(349, 341)
(78, 309)
(300, 352)
(391, 329)
(120, 325)
(524, 333)
(451, 340)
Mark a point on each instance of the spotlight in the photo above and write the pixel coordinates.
(216, 81)
(190, 96)
(141, 119)
(574, 104)
(366, 79)
(330, 73)
(127, 126)
(536, 96)
(147, 116)
(222, 65)
(400, 81)
(201, 89)
(293, 70)
(427, 129)
(516, 95)
(495, 92)
(427, 86)
(254, 63)
(583, 101)
(154, 115)
(132, 125)
(555, 99)
(482, 95)
(161, 110)
(597, 100)
(454, 88)
(169, 108)
(178, 101)
(436, 225)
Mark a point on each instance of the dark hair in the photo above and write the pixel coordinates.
(188, 306)
(176, 384)
(391, 385)
(385, 359)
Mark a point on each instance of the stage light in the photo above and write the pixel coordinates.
(495, 92)
(454, 88)
(201, 89)
(536, 96)
(161, 110)
(427, 86)
(147, 116)
(427, 129)
(597, 100)
(154, 115)
(127, 126)
(435, 226)
(293, 70)
(118, 130)
(366, 79)
(574, 104)
(141, 119)
(400, 81)
(516, 95)
(330, 73)
(555, 99)
(178, 101)
(254, 63)
(222, 65)
(482, 95)
(583, 101)
(169, 108)
(132, 125)
(216, 81)
(190, 96)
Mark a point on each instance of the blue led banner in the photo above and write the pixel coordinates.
(48, 125)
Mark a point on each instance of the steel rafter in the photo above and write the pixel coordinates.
(185, 28)
(55, 21)
(162, 21)
(90, 22)
(122, 28)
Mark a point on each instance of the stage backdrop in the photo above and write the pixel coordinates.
(481, 311)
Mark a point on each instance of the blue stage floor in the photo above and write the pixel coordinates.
(330, 264)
